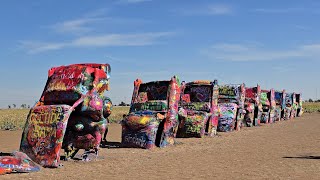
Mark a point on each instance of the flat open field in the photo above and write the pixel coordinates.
(284, 150)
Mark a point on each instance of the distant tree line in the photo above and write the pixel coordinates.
(22, 106)
(122, 104)
(310, 100)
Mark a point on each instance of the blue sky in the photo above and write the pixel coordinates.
(273, 43)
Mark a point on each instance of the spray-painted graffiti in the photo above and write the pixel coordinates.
(228, 114)
(71, 113)
(17, 162)
(253, 106)
(265, 107)
(231, 107)
(201, 109)
(299, 104)
(141, 131)
(153, 117)
(268, 106)
(290, 109)
(43, 134)
(228, 91)
(193, 125)
(280, 105)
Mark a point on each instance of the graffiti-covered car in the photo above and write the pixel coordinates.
(70, 114)
(253, 106)
(279, 97)
(289, 110)
(294, 106)
(268, 106)
(198, 113)
(299, 104)
(153, 117)
(231, 107)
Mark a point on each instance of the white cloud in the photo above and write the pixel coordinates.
(107, 40)
(120, 39)
(211, 9)
(33, 47)
(97, 13)
(244, 52)
(131, 1)
(279, 10)
(92, 21)
(302, 28)
(76, 26)
(312, 10)
(81, 25)
(219, 9)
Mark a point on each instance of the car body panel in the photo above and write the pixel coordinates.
(299, 104)
(280, 104)
(231, 100)
(153, 117)
(71, 92)
(198, 114)
(253, 106)
(268, 106)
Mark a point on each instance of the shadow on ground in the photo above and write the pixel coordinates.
(111, 144)
(302, 157)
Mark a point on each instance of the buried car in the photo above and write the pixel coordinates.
(279, 97)
(289, 110)
(231, 107)
(253, 106)
(198, 113)
(299, 104)
(153, 117)
(70, 114)
(268, 106)
(294, 106)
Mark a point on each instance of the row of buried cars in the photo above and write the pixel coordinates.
(163, 110)
(72, 113)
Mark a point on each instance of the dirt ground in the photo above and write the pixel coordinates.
(284, 150)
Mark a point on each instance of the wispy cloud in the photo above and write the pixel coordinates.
(106, 40)
(211, 9)
(86, 25)
(245, 52)
(278, 10)
(76, 26)
(219, 9)
(92, 21)
(131, 1)
(33, 47)
(120, 39)
(288, 10)
(83, 24)
(302, 28)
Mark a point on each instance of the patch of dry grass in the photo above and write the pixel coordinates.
(117, 113)
(13, 119)
(310, 107)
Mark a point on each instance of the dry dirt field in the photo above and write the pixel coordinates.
(284, 150)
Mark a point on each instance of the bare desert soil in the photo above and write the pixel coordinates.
(284, 150)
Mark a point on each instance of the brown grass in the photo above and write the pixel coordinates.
(14, 119)
(310, 107)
